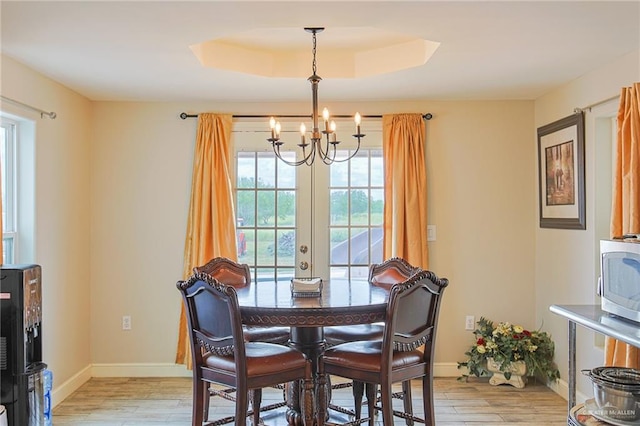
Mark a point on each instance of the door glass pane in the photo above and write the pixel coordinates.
(266, 209)
(356, 215)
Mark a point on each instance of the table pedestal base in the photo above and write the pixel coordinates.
(310, 341)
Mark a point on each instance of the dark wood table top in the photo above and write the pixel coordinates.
(342, 302)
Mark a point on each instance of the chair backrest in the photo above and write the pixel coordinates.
(227, 271)
(412, 313)
(213, 317)
(391, 271)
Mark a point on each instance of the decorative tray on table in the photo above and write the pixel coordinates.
(306, 287)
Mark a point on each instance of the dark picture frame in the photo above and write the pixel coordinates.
(561, 173)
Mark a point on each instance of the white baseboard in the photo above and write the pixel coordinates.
(140, 370)
(561, 387)
(446, 369)
(62, 391)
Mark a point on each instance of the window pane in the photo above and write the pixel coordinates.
(286, 173)
(286, 247)
(247, 251)
(339, 246)
(266, 170)
(360, 169)
(339, 174)
(339, 207)
(246, 170)
(377, 206)
(265, 247)
(377, 167)
(246, 207)
(286, 208)
(359, 207)
(266, 208)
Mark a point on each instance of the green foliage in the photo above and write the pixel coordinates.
(507, 343)
(246, 201)
(361, 203)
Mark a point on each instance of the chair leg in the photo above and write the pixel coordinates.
(406, 400)
(427, 400)
(256, 401)
(358, 392)
(387, 403)
(242, 407)
(372, 394)
(199, 388)
(207, 398)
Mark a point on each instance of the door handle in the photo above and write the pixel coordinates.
(304, 265)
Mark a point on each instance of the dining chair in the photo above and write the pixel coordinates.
(391, 271)
(222, 356)
(405, 352)
(238, 275)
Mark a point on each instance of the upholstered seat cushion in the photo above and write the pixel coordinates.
(351, 333)
(261, 358)
(278, 335)
(365, 355)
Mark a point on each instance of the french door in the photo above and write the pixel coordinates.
(307, 221)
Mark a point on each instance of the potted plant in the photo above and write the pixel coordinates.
(506, 344)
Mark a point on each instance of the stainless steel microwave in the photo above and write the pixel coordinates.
(619, 284)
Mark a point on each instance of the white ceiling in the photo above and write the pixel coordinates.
(140, 50)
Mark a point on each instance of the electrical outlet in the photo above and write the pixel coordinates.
(126, 322)
(469, 322)
(431, 232)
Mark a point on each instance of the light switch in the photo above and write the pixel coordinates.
(431, 232)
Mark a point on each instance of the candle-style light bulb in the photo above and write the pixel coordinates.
(333, 130)
(357, 119)
(272, 125)
(325, 117)
(303, 130)
(278, 127)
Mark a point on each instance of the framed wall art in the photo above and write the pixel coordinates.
(561, 173)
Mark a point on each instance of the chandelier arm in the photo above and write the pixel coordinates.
(323, 154)
(351, 156)
(276, 151)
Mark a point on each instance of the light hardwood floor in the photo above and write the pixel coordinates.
(167, 401)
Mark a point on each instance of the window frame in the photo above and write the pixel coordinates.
(10, 136)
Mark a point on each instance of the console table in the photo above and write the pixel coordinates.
(594, 318)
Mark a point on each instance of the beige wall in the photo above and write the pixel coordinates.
(566, 267)
(112, 197)
(62, 203)
(141, 171)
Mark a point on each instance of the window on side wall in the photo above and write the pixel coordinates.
(9, 136)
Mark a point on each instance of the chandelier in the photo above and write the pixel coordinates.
(314, 146)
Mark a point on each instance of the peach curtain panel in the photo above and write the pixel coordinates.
(625, 211)
(211, 222)
(405, 193)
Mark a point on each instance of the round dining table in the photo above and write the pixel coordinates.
(340, 302)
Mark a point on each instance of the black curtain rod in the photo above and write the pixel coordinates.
(184, 116)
